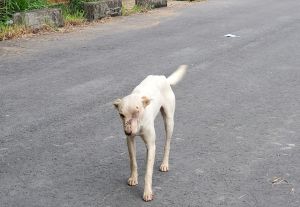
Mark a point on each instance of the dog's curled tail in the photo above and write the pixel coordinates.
(175, 77)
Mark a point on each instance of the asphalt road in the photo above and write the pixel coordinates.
(237, 118)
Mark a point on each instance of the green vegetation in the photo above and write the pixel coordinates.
(73, 17)
(75, 5)
(72, 12)
(15, 31)
(8, 7)
(134, 10)
(7, 32)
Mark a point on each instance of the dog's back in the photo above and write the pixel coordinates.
(154, 83)
(151, 84)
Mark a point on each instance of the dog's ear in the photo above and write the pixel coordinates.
(146, 101)
(117, 102)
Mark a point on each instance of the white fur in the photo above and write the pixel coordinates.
(175, 77)
(138, 111)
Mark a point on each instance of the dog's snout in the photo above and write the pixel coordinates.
(127, 128)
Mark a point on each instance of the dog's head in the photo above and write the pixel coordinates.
(131, 109)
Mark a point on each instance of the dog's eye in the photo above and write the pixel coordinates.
(122, 116)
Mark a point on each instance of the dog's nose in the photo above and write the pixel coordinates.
(128, 133)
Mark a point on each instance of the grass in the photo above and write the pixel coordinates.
(11, 6)
(72, 13)
(16, 31)
(134, 10)
(8, 32)
(72, 17)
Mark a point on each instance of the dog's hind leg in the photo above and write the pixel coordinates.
(168, 117)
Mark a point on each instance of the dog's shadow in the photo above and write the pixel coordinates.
(114, 171)
(116, 189)
(114, 174)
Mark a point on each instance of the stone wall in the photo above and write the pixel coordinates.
(38, 18)
(58, 1)
(103, 8)
(151, 3)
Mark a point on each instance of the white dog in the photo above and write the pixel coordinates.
(138, 111)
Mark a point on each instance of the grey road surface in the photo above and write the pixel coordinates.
(236, 141)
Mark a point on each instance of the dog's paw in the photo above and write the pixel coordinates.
(148, 196)
(132, 181)
(164, 168)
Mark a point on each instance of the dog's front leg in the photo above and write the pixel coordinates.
(149, 139)
(133, 180)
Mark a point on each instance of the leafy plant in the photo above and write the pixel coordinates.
(73, 18)
(75, 5)
(135, 9)
(11, 6)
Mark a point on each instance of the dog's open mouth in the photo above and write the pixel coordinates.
(128, 133)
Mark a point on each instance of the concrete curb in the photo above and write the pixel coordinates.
(100, 9)
(37, 18)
